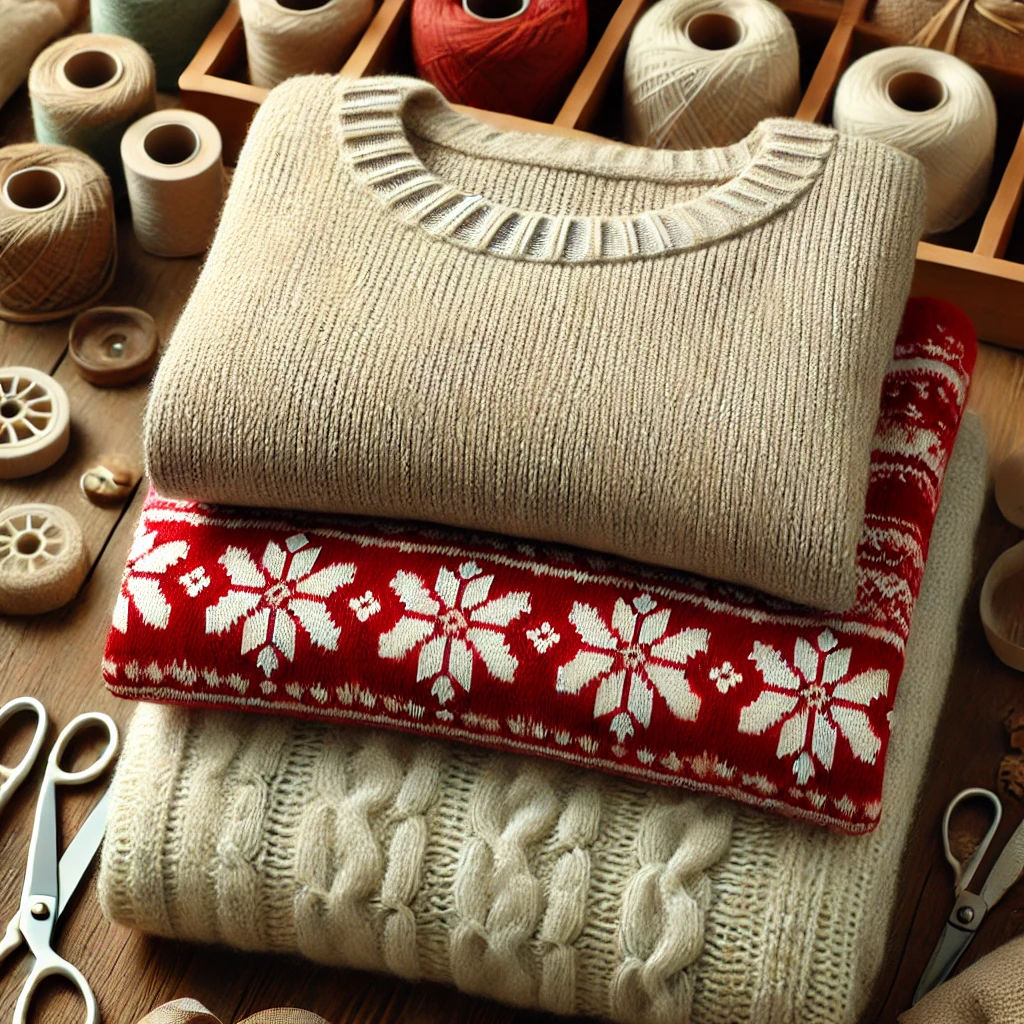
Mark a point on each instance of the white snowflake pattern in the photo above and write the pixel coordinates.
(453, 626)
(812, 699)
(543, 637)
(276, 596)
(365, 606)
(725, 677)
(194, 581)
(147, 562)
(632, 659)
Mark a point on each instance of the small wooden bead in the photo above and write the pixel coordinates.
(35, 421)
(42, 559)
(111, 481)
(113, 345)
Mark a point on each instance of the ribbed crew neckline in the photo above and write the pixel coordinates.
(764, 174)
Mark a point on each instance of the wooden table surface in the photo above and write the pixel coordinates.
(57, 659)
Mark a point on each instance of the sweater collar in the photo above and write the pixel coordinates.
(750, 181)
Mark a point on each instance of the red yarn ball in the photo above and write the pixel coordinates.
(511, 56)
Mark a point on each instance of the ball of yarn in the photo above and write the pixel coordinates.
(300, 37)
(58, 238)
(171, 30)
(933, 106)
(703, 73)
(172, 163)
(85, 91)
(511, 56)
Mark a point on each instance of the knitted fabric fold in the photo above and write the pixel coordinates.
(650, 674)
(520, 879)
(672, 357)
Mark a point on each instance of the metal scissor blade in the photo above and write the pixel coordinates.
(41, 872)
(950, 948)
(80, 852)
(1007, 868)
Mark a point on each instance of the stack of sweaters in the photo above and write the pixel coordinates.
(570, 515)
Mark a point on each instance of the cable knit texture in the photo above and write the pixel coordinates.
(675, 357)
(526, 881)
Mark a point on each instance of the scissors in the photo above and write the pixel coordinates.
(969, 909)
(49, 885)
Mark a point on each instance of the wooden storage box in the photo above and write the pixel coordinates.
(979, 266)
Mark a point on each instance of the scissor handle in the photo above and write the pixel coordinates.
(14, 776)
(49, 966)
(964, 870)
(65, 778)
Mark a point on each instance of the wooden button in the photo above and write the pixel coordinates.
(113, 345)
(42, 559)
(1002, 607)
(35, 421)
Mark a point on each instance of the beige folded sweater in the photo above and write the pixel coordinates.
(520, 879)
(675, 357)
(988, 992)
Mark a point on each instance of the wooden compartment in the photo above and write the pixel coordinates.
(980, 266)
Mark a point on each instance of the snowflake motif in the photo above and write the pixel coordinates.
(543, 637)
(631, 660)
(194, 582)
(725, 677)
(453, 626)
(365, 606)
(277, 595)
(812, 699)
(147, 561)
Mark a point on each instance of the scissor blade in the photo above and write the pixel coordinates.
(41, 874)
(950, 948)
(1006, 870)
(81, 850)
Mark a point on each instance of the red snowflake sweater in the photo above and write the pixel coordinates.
(557, 652)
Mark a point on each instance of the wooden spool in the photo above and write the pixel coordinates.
(112, 345)
(42, 559)
(35, 421)
(1002, 607)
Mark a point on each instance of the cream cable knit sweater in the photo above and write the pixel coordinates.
(520, 879)
(672, 356)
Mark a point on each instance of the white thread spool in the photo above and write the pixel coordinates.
(702, 73)
(300, 37)
(933, 106)
(172, 163)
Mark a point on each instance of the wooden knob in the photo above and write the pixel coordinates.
(1010, 487)
(113, 345)
(35, 421)
(1002, 607)
(42, 559)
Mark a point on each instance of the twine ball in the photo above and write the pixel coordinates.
(284, 38)
(511, 56)
(936, 108)
(86, 90)
(58, 238)
(703, 73)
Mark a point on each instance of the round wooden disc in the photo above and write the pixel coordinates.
(113, 345)
(42, 559)
(1010, 487)
(35, 421)
(1002, 607)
